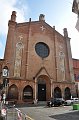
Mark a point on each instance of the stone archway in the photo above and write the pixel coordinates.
(28, 93)
(13, 92)
(67, 93)
(57, 93)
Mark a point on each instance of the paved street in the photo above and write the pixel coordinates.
(42, 112)
(53, 113)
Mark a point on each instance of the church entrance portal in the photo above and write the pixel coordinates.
(41, 90)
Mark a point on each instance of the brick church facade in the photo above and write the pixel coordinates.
(37, 62)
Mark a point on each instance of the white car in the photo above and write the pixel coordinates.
(75, 99)
(71, 101)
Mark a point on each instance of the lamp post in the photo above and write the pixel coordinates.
(5, 74)
(5, 83)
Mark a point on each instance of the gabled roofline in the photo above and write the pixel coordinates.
(52, 28)
(40, 71)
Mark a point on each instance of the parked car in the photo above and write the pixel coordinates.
(75, 99)
(55, 102)
(71, 101)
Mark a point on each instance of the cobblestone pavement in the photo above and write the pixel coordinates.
(53, 113)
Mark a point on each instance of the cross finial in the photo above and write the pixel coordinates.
(42, 28)
(20, 37)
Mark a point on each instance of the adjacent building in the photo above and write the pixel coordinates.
(76, 74)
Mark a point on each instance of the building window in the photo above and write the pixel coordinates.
(42, 49)
(75, 76)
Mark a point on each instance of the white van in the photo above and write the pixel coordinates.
(75, 100)
(72, 101)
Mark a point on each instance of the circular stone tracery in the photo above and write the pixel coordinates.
(42, 49)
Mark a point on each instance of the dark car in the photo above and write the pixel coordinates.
(55, 102)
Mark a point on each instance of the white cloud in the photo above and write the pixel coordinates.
(0, 45)
(6, 8)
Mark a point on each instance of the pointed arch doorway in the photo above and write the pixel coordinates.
(43, 88)
(41, 91)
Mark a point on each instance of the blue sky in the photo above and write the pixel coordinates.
(57, 13)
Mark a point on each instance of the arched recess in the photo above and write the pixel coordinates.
(18, 59)
(57, 93)
(27, 93)
(67, 93)
(13, 92)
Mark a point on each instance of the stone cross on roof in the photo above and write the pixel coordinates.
(20, 37)
(42, 28)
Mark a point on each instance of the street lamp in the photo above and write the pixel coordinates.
(5, 73)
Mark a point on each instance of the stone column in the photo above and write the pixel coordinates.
(51, 88)
(35, 99)
(63, 96)
(20, 95)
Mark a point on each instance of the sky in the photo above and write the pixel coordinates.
(57, 13)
